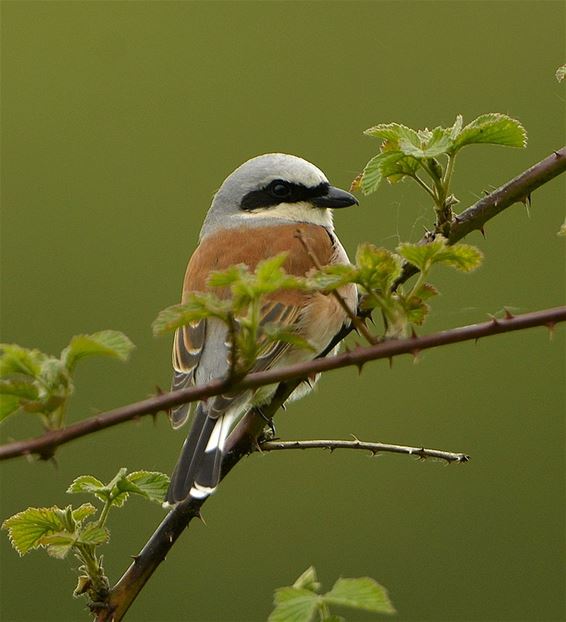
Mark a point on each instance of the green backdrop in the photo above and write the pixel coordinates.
(119, 121)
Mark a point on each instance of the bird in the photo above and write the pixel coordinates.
(261, 209)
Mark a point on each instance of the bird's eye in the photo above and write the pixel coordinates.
(280, 189)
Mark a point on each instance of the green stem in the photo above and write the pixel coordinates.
(425, 186)
(104, 514)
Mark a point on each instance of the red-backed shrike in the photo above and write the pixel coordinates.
(255, 215)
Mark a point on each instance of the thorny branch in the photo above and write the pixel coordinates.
(244, 438)
(374, 448)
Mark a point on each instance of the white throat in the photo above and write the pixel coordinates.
(294, 212)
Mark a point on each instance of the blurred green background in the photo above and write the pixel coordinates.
(120, 119)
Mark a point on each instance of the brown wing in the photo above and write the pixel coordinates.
(246, 246)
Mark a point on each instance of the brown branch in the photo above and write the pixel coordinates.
(243, 439)
(44, 445)
(374, 448)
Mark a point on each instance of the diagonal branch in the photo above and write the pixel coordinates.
(245, 436)
(44, 445)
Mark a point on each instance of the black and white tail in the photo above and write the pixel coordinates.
(198, 469)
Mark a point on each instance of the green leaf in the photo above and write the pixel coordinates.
(493, 128)
(58, 544)
(361, 593)
(225, 278)
(329, 278)
(378, 268)
(149, 484)
(560, 73)
(430, 143)
(9, 404)
(17, 360)
(308, 580)
(93, 535)
(196, 308)
(21, 387)
(27, 528)
(294, 605)
(83, 511)
(378, 168)
(463, 257)
(393, 133)
(112, 343)
(90, 485)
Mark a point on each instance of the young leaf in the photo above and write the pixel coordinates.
(463, 257)
(83, 511)
(93, 535)
(196, 308)
(90, 485)
(560, 73)
(378, 268)
(17, 360)
(430, 144)
(21, 387)
(494, 128)
(378, 168)
(332, 277)
(111, 343)
(393, 133)
(294, 605)
(308, 580)
(149, 484)
(58, 544)
(362, 593)
(225, 278)
(27, 528)
(9, 404)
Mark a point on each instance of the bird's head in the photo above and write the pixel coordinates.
(275, 187)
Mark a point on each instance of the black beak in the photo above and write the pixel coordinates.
(334, 198)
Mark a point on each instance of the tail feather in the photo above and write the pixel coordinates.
(198, 469)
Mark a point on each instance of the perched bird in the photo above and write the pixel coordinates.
(256, 214)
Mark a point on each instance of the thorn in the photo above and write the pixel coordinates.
(390, 359)
(476, 340)
(135, 558)
(557, 154)
(360, 367)
(494, 320)
(551, 327)
(415, 353)
(159, 390)
(526, 200)
(199, 515)
(413, 333)
(355, 438)
(508, 314)
(421, 453)
(482, 231)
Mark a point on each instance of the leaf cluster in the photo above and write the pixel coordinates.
(32, 381)
(243, 294)
(377, 270)
(303, 602)
(427, 156)
(82, 530)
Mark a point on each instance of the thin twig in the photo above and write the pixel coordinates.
(374, 448)
(356, 321)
